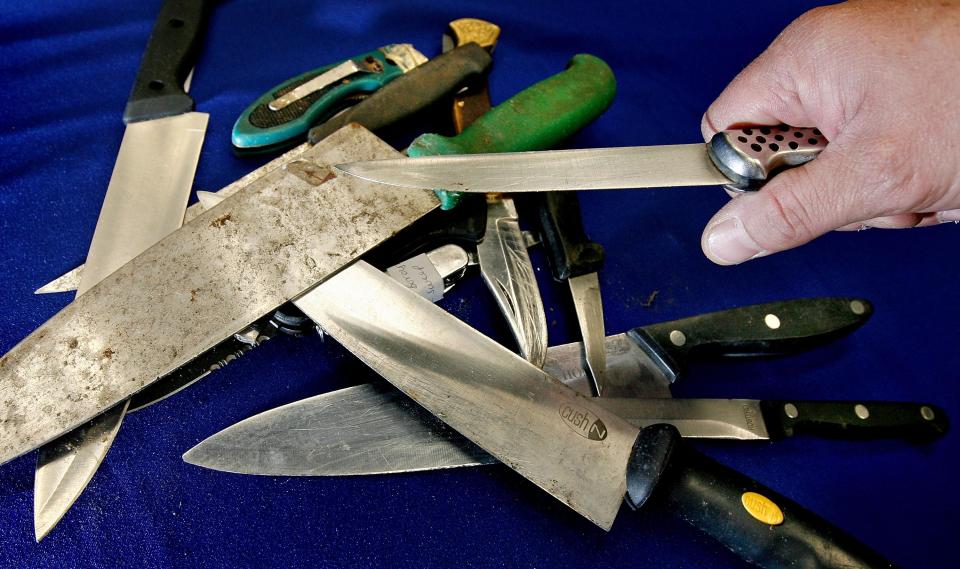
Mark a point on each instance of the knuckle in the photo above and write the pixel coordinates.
(793, 218)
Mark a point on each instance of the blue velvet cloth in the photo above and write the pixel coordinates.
(66, 69)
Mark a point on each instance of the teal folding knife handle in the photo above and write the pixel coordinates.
(282, 116)
(538, 118)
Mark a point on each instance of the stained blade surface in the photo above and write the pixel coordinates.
(199, 285)
(550, 434)
(590, 169)
(508, 273)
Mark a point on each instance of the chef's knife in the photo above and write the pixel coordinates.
(574, 258)
(379, 431)
(742, 159)
(237, 262)
(582, 454)
(282, 116)
(145, 201)
(504, 263)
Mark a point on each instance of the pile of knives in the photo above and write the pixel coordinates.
(318, 241)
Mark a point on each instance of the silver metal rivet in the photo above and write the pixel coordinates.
(927, 413)
(857, 307)
(771, 321)
(678, 338)
(861, 411)
(791, 410)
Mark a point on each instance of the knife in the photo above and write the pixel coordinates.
(576, 259)
(564, 442)
(378, 431)
(282, 116)
(504, 262)
(739, 160)
(145, 200)
(414, 91)
(235, 263)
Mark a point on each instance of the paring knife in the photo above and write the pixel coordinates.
(564, 442)
(504, 262)
(739, 160)
(419, 89)
(574, 258)
(145, 201)
(210, 279)
(281, 117)
(379, 431)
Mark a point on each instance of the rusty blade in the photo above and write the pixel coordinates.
(270, 242)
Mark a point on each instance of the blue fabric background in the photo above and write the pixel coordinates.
(66, 68)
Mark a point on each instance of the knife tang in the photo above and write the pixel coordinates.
(169, 58)
(854, 419)
(413, 92)
(569, 251)
(771, 329)
(762, 526)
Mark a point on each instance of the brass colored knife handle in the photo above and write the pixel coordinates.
(751, 156)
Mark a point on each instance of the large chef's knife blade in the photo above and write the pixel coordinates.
(284, 233)
(145, 200)
(281, 235)
(738, 159)
(563, 442)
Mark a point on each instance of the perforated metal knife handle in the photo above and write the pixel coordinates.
(751, 156)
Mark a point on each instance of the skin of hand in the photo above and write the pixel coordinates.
(881, 80)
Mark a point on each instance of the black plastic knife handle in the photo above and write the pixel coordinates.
(854, 419)
(569, 251)
(413, 92)
(171, 53)
(772, 329)
(756, 523)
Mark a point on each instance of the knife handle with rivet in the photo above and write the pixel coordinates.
(750, 156)
(171, 52)
(539, 117)
(760, 525)
(854, 419)
(413, 92)
(569, 251)
(770, 329)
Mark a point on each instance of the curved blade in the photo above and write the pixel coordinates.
(508, 273)
(65, 466)
(553, 436)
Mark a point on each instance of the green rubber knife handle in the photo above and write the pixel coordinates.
(262, 129)
(538, 118)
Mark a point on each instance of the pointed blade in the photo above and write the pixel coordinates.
(551, 435)
(588, 304)
(199, 285)
(508, 273)
(563, 170)
(65, 467)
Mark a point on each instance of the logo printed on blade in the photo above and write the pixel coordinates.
(583, 423)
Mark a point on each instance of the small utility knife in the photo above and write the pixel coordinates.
(283, 115)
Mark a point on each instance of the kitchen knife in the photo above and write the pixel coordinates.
(235, 263)
(282, 116)
(575, 259)
(582, 454)
(742, 159)
(145, 200)
(502, 254)
(380, 431)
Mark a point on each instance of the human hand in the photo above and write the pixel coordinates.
(880, 79)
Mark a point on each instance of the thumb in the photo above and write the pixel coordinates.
(795, 207)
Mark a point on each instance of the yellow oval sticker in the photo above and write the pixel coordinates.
(762, 508)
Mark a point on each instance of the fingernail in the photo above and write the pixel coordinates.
(729, 244)
(949, 215)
